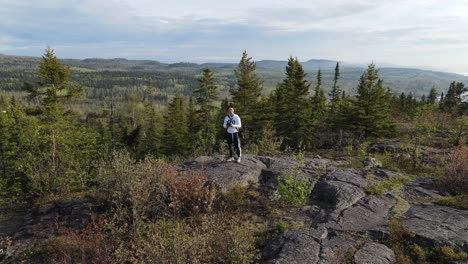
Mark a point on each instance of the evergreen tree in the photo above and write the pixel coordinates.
(432, 97)
(453, 97)
(54, 84)
(403, 100)
(372, 106)
(68, 149)
(246, 95)
(293, 106)
(176, 134)
(423, 99)
(206, 95)
(18, 140)
(336, 90)
(153, 128)
(319, 101)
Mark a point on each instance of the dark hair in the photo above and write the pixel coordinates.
(230, 107)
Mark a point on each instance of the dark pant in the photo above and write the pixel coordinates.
(233, 139)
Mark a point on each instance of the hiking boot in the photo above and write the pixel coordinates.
(238, 160)
(230, 159)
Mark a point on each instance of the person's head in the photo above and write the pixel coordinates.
(230, 110)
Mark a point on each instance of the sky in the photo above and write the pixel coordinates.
(431, 34)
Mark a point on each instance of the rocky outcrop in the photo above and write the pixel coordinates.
(341, 223)
(436, 225)
(374, 253)
(31, 229)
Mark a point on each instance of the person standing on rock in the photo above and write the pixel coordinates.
(232, 123)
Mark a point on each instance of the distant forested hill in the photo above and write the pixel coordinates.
(182, 77)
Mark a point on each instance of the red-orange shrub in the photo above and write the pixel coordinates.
(191, 193)
(89, 245)
(455, 173)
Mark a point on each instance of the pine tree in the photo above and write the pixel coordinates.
(153, 128)
(453, 101)
(372, 106)
(54, 84)
(423, 99)
(206, 95)
(18, 140)
(336, 90)
(293, 106)
(432, 97)
(246, 95)
(176, 134)
(319, 101)
(68, 149)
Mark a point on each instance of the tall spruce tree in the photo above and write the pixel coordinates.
(293, 106)
(372, 107)
(176, 135)
(453, 97)
(206, 95)
(319, 101)
(336, 90)
(54, 86)
(245, 97)
(432, 97)
(68, 148)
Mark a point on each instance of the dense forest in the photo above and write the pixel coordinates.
(66, 129)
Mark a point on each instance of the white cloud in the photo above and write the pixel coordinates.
(431, 32)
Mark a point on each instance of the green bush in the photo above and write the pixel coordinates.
(294, 187)
(387, 185)
(458, 201)
(213, 239)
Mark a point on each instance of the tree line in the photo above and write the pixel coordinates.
(45, 147)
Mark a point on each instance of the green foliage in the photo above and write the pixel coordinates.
(335, 93)
(387, 185)
(269, 144)
(458, 201)
(319, 102)
(204, 123)
(245, 97)
(453, 101)
(18, 140)
(54, 81)
(400, 241)
(293, 186)
(293, 107)
(446, 254)
(217, 239)
(176, 134)
(400, 207)
(372, 108)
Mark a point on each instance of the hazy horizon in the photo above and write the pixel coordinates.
(427, 34)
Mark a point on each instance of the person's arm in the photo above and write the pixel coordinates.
(225, 122)
(238, 122)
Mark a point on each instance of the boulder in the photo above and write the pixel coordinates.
(368, 213)
(295, 246)
(374, 253)
(340, 195)
(436, 225)
(228, 174)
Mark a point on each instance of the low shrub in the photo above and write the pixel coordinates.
(191, 193)
(215, 239)
(89, 245)
(294, 187)
(455, 172)
(387, 185)
(458, 201)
